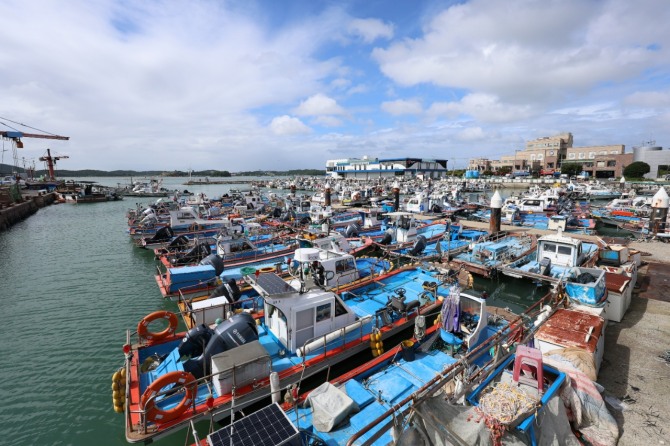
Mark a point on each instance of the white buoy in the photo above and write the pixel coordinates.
(274, 387)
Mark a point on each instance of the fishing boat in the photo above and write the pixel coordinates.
(554, 259)
(300, 334)
(309, 267)
(485, 256)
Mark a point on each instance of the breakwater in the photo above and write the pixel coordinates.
(12, 213)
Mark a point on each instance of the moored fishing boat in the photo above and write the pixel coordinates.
(300, 334)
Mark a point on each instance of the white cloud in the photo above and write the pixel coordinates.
(402, 107)
(328, 121)
(319, 104)
(532, 50)
(482, 107)
(648, 99)
(287, 125)
(370, 30)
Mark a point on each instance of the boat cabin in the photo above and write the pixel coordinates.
(296, 319)
(333, 241)
(560, 250)
(372, 217)
(403, 226)
(418, 203)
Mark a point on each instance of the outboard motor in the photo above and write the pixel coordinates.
(195, 341)
(231, 333)
(419, 246)
(162, 235)
(388, 237)
(305, 220)
(436, 209)
(215, 261)
(179, 242)
(545, 266)
(352, 230)
(195, 254)
(276, 213)
(228, 289)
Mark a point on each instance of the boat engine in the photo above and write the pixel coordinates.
(228, 289)
(238, 330)
(215, 261)
(352, 230)
(179, 242)
(397, 302)
(388, 237)
(162, 235)
(419, 246)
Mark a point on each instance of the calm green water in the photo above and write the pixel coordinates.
(71, 284)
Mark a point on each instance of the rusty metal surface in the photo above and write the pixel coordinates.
(616, 282)
(655, 282)
(570, 328)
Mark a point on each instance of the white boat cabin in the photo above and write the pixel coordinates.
(372, 217)
(560, 250)
(301, 321)
(418, 203)
(334, 241)
(403, 226)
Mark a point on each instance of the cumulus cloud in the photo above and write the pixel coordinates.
(319, 104)
(370, 30)
(482, 107)
(402, 107)
(530, 50)
(288, 125)
(328, 121)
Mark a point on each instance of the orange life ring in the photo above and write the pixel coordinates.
(194, 227)
(143, 327)
(267, 269)
(178, 378)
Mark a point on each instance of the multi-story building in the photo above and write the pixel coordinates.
(479, 164)
(547, 152)
(657, 158)
(369, 168)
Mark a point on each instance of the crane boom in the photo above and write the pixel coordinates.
(18, 135)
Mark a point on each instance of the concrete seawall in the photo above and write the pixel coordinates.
(14, 213)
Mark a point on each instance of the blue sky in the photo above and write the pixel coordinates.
(246, 85)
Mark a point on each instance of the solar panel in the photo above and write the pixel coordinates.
(273, 285)
(267, 427)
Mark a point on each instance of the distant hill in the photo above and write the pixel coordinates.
(7, 169)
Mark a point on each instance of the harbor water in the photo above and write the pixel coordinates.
(72, 283)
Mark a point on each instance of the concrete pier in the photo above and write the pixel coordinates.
(10, 214)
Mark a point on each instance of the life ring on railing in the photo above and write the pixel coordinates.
(194, 227)
(267, 269)
(143, 327)
(148, 401)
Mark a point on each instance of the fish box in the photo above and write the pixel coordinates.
(187, 276)
(614, 255)
(619, 293)
(206, 311)
(571, 328)
(586, 286)
(240, 366)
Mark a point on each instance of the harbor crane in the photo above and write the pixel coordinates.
(15, 136)
(51, 162)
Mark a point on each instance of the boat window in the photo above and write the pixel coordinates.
(340, 309)
(323, 312)
(565, 250)
(344, 265)
(549, 247)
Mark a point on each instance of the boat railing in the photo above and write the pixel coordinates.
(518, 331)
(227, 309)
(143, 426)
(334, 339)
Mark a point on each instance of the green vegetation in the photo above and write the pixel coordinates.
(636, 170)
(571, 169)
(7, 169)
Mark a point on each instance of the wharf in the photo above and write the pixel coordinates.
(32, 200)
